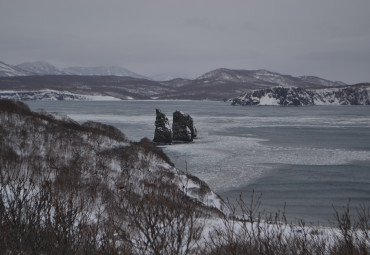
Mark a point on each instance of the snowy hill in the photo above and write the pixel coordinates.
(102, 149)
(44, 68)
(71, 187)
(102, 70)
(10, 71)
(264, 77)
(40, 68)
(323, 82)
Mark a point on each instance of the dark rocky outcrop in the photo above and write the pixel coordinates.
(183, 127)
(162, 133)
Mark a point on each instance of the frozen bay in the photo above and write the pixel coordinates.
(309, 157)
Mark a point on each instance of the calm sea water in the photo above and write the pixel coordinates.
(311, 158)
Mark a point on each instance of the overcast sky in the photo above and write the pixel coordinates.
(326, 38)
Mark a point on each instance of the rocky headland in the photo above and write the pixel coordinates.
(352, 95)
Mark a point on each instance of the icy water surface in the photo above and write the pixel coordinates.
(310, 158)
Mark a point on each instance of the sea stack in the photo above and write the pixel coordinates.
(162, 133)
(182, 127)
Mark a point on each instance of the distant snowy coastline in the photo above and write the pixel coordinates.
(52, 95)
(301, 97)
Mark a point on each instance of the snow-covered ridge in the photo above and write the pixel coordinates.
(51, 95)
(265, 76)
(323, 82)
(44, 68)
(101, 70)
(300, 96)
(9, 71)
(40, 68)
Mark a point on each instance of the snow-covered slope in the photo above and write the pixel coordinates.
(9, 71)
(44, 68)
(299, 96)
(320, 81)
(89, 182)
(40, 68)
(51, 95)
(265, 77)
(101, 149)
(223, 74)
(102, 70)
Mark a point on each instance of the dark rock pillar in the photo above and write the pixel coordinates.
(183, 127)
(162, 133)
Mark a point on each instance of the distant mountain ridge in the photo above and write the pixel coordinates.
(44, 68)
(10, 71)
(263, 76)
(102, 70)
(220, 84)
(39, 68)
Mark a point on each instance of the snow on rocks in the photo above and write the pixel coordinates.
(301, 97)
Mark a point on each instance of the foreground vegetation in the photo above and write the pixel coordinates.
(67, 188)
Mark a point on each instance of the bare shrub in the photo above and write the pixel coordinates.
(160, 219)
(106, 130)
(353, 237)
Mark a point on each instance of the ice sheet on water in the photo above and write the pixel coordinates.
(114, 118)
(226, 162)
(223, 122)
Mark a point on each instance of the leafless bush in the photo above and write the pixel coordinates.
(148, 147)
(353, 236)
(106, 130)
(244, 232)
(161, 220)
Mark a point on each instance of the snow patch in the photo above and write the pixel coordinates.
(268, 100)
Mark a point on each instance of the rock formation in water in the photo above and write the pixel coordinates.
(299, 96)
(162, 133)
(183, 127)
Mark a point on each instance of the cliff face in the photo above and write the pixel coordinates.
(163, 132)
(302, 97)
(183, 127)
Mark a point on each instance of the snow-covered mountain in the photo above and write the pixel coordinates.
(219, 84)
(43, 68)
(323, 82)
(10, 71)
(167, 77)
(102, 70)
(264, 78)
(351, 95)
(40, 68)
